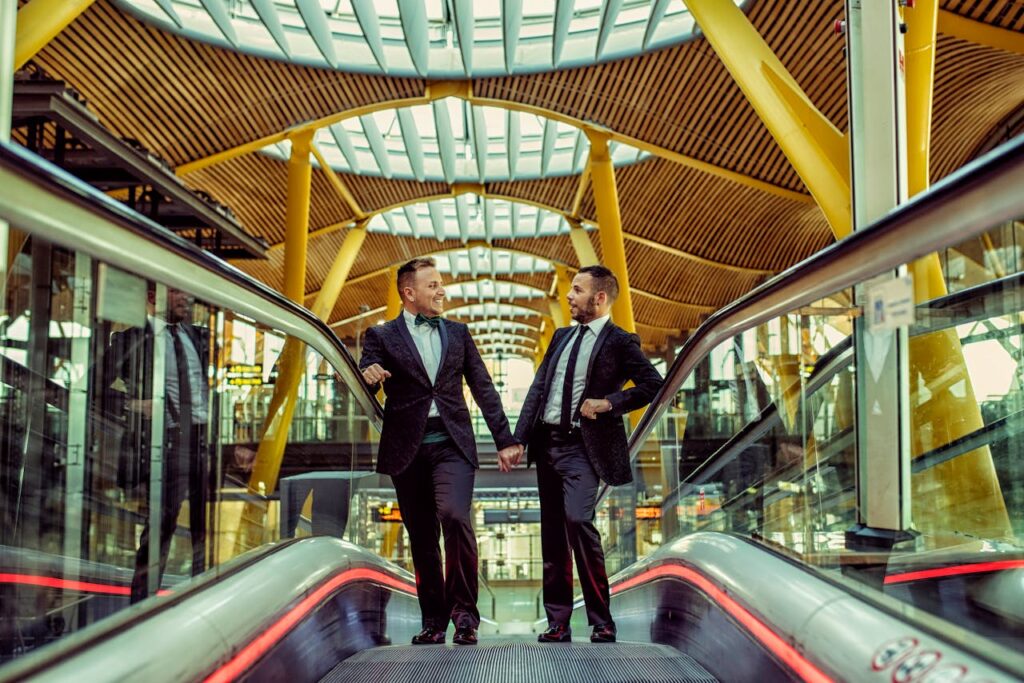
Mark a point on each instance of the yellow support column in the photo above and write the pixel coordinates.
(291, 363)
(562, 286)
(547, 331)
(330, 290)
(609, 222)
(581, 243)
(394, 300)
(965, 489)
(817, 149)
(39, 22)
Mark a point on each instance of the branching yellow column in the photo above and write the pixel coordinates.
(817, 150)
(609, 222)
(562, 286)
(39, 22)
(547, 330)
(581, 244)
(291, 363)
(394, 300)
(965, 489)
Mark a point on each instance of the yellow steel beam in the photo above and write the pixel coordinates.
(606, 198)
(952, 24)
(39, 22)
(339, 187)
(292, 361)
(463, 90)
(581, 244)
(581, 190)
(329, 291)
(808, 139)
(547, 331)
(562, 285)
(394, 299)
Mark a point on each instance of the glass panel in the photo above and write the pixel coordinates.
(135, 452)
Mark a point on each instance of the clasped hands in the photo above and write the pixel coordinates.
(510, 456)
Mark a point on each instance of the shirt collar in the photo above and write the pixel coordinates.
(597, 324)
(410, 321)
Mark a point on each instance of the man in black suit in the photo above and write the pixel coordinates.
(428, 447)
(185, 473)
(572, 425)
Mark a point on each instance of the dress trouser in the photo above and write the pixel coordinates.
(435, 495)
(568, 496)
(186, 477)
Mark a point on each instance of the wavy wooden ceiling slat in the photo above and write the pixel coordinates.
(1007, 14)
(975, 89)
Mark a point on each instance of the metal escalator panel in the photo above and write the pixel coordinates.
(509, 661)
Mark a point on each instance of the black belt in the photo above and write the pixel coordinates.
(560, 433)
(435, 424)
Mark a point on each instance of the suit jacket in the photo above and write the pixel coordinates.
(616, 358)
(409, 392)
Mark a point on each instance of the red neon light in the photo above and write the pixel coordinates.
(266, 640)
(64, 584)
(771, 640)
(976, 568)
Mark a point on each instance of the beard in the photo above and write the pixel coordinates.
(585, 310)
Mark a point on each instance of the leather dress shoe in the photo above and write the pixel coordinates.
(429, 636)
(603, 633)
(556, 634)
(465, 636)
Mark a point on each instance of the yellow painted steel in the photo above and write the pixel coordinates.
(555, 311)
(953, 24)
(252, 530)
(962, 493)
(606, 198)
(39, 22)
(297, 218)
(581, 190)
(394, 300)
(808, 139)
(547, 331)
(581, 244)
(337, 184)
(338, 273)
(562, 285)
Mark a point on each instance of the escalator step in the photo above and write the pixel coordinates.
(494, 661)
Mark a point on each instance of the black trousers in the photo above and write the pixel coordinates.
(568, 496)
(186, 477)
(435, 496)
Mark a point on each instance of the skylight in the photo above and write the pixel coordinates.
(428, 38)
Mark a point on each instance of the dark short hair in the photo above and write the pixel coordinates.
(604, 280)
(407, 272)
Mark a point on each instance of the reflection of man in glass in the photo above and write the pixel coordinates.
(186, 401)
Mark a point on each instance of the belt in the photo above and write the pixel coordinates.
(561, 433)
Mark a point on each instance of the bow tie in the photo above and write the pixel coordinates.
(424, 320)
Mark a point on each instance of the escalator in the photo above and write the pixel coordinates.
(739, 568)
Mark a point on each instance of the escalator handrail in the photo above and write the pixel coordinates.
(60, 183)
(966, 203)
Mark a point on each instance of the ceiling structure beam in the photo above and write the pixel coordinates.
(315, 18)
(366, 15)
(377, 147)
(952, 24)
(464, 27)
(445, 139)
(513, 136)
(39, 22)
(608, 17)
(339, 186)
(219, 13)
(413, 143)
(511, 21)
(657, 13)
(414, 24)
(267, 12)
(438, 90)
(560, 30)
(344, 143)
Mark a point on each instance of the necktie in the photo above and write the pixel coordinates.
(424, 320)
(570, 373)
(184, 386)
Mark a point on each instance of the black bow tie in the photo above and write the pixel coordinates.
(424, 320)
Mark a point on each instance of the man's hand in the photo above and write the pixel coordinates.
(592, 406)
(374, 374)
(510, 456)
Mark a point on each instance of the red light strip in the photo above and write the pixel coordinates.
(771, 640)
(266, 640)
(64, 584)
(976, 568)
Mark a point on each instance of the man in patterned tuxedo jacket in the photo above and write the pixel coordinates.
(428, 447)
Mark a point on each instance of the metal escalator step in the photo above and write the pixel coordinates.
(520, 662)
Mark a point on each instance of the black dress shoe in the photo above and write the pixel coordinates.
(429, 636)
(603, 633)
(556, 634)
(465, 636)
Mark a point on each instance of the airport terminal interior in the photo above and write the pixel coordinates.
(815, 212)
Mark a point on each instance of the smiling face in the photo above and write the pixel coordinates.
(584, 303)
(426, 293)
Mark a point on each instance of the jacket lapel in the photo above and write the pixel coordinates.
(403, 332)
(555, 356)
(597, 349)
(443, 331)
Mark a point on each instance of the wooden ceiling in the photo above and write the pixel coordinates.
(695, 241)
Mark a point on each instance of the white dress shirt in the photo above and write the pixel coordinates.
(428, 342)
(196, 374)
(553, 410)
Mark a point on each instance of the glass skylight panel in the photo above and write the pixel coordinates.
(427, 27)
